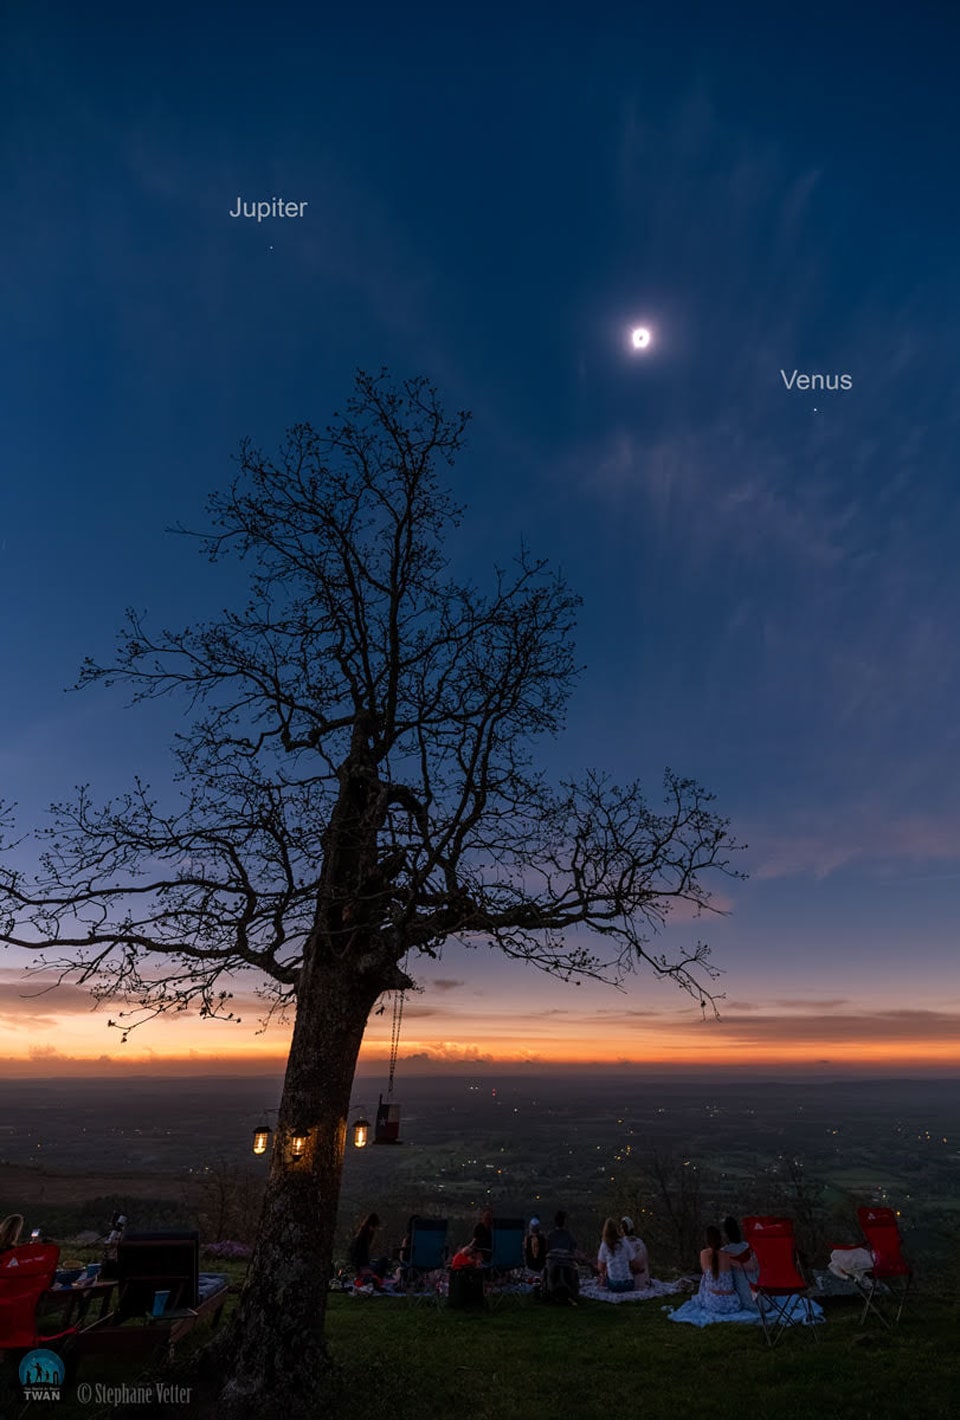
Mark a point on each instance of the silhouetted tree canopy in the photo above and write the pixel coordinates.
(356, 788)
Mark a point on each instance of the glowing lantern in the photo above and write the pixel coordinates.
(361, 1133)
(261, 1138)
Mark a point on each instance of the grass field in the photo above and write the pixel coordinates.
(411, 1360)
(527, 1362)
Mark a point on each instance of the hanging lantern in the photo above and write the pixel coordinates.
(361, 1133)
(298, 1145)
(261, 1138)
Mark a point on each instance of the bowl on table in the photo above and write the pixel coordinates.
(66, 1276)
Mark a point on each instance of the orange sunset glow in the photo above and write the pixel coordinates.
(457, 1023)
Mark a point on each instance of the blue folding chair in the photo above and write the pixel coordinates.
(428, 1253)
(507, 1260)
(508, 1235)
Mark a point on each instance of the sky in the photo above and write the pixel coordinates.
(771, 589)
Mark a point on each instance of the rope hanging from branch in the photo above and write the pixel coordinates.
(395, 1038)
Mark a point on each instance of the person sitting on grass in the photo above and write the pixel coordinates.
(614, 1258)
(535, 1247)
(367, 1269)
(561, 1280)
(742, 1252)
(718, 1292)
(10, 1230)
(483, 1234)
(406, 1247)
(736, 1247)
(639, 1261)
(470, 1255)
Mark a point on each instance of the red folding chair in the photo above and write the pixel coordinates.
(26, 1272)
(890, 1267)
(780, 1289)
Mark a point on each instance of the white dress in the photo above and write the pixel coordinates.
(718, 1294)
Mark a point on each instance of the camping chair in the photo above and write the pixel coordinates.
(508, 1235)
(507, 1260)
(26, 1273)
(148, 1265)
(890, 1267)
(428, 1253)
(780, 1289)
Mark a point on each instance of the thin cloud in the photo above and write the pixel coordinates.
(35, 996)
(806, 1003)
(922, 1028)
(866, 838)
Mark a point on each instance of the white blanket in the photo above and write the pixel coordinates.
(593, 1292)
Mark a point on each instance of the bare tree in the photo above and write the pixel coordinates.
(676, 1186)
(226, 1199)
(356, 789)
(803, 1196)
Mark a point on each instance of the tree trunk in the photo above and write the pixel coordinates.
(275, 1350)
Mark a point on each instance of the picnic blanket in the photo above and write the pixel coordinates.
(593, 1292)
(208, 1283)
(388, 1289)
(438, 1287)
(696, 1315)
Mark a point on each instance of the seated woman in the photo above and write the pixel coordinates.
(561, 1280)
(614, 1258)
(406, 1247)
(367, 1269)
(535, 1247)
(749, 1269)
(639, 1261)
(718, 1292)
(483, 1234)
(10, 1230)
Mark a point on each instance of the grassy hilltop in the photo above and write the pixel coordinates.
(412, 1360)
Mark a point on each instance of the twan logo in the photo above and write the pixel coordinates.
(41, 1375)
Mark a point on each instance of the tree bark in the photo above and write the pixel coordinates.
(275, 1351)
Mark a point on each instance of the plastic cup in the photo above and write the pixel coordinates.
(160, 1300)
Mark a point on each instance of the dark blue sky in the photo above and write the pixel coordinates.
(771, 580)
